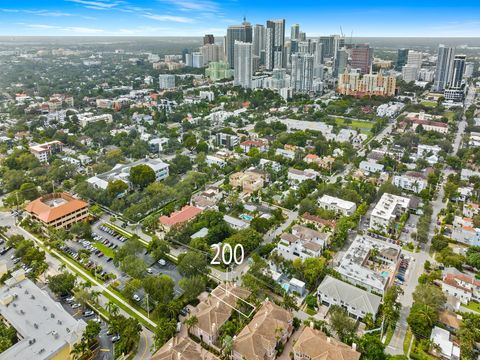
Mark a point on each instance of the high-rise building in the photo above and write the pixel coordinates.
(218, 71)
(208, 39)
(458, 71)
(211, 52)
(370, 84)
(341, 61)
(243, 64)
(331, 44)
(295, 32)
(197, 60)
(302, 72)
(259, 41)
(415, 58)
(166, 81)
(241, 33)
(279, 78)
(469, 68)
(402, 57)
(318, 54)
(275, 42)
(362, 57)
(409, 72)
(443, 71)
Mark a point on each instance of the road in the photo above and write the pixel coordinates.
(417, 266)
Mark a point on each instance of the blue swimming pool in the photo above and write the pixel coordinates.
(246, 217)
(385, 274)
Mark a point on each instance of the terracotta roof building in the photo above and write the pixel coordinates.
(315, 345)
(179, 217)
(178, 348)
(258, 340)
(58, 210)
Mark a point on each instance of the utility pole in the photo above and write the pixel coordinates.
(148, 308)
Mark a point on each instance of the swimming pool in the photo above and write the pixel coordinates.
(246, 217)
(385, 274)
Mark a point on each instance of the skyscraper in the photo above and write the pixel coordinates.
(331, 44)
(243, 64)
(362, 57)
(443, 70)
(259, 40)
(341, 60)
(275, 42)
(458, 71)
(318, 54)
(241, 33)
(208, 39)
(295, 32)
(402, 56)
(415, 58)
(302, 72)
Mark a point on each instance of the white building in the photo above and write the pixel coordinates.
(88, 118)
(387, 209)
(43, 151)
(302, 243)
(289, 154)
(447, 349)
(341, 206)
(299, 176)
(411, 181)
(235, 223)
(243, 64)
(409, 73)
(213, 160)
(461, 286)
(166, 81)
(466, 174)
(371, 166)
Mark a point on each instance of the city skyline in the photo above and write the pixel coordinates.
(195, 18)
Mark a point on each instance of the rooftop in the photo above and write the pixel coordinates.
(185, 214)
(54, 206)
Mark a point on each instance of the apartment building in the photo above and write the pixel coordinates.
(43, 151)
(250, 181)
(186, 214)
(387, 210)
(182, 348)
(461, 286)
(413, 181)
(302, 243)
(340, 206)
(58, 210)
(227, 140)
(298, 176)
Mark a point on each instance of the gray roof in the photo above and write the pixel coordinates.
(351, 295)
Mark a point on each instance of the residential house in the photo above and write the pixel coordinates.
(299, 176)
(213, 160)
(288, 154)
(464, 231)
(235, 223)
(357, 302)
(250, 180)
(182, 348)
(466, 174)
(462, 286)
(411, 181)
(340, 206)
(371, 166)
(318, 221)
(471, 209)
(271, 326)
(446, 348)
(302, 243)
(207, 199)
(315, 345)
(259, 144)
(186, 214)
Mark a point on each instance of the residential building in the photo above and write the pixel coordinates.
(122, 172)
(362, 57)
(315, 345)
(341, 62)
(215, 310)
(302, 243)
(465, 232)
(227, 140)
(208, 39)
(443, 71)
(166, 81)
(289, 154)
(411, 181)
(250, 180)
(246, 145)
(409, 73)
(402, 56)
(157, 145)
(243, 64)
(186, 214)
(88, 118)
(218, 70)
(373, 272)
(463, 287)
(440, 338)
(351, 83)
(466, 174)
(211, 53)
(387, 210)
(356, 301)
(235, 223)
(213, 160)
(259, 41)
(318, 222)
(241, 33)
(207, 199)
(43, 151)
(371, 166)
(299, 176)
(330, 45)
(341, 206)
(271, 326)
(302, 72)
(182, 348)
(44, 329)
(58, 210)
(458, 71)
(424, 151)
(274, 44)
(471, 209)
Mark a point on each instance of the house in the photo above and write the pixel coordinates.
(271, 326)
(265, 164)
(388, 208)
(215, 310)
(465, 232)
(340, 206)
(182, 348)
(466, 174)
(411, 181)
(356, 301)
(157, 145)
(324, 163)
(370, 263)
(250, 181)
(318, 221)
(58, 210)
(424, 151)
(463, 287)
(299, 176)
(43, 151)
(302, 243)
(464, 193)
(261, 145)
(288, 154)
(186, 214)
(447, 349)
(207, 199)
(44, 329)
(227, 140)
(213, 160)
(235, 223)
(371, 166)
(315, 345)
(471, 209)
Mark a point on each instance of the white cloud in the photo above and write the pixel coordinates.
(97, 5)
(194, 5)
(171, 18)
(66, 29)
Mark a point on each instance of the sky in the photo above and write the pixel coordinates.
(402, 18)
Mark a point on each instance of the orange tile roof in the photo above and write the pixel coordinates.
(187, 213)
(47, 213)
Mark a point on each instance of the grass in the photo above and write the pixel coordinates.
(104, 249)
(427, 103)
(473, 306)
(310, 311)
(407, 341)
(450, 115)
(389, 335)
(362, 125)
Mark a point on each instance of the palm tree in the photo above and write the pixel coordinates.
(227, 345)
(191, 322)
(112, 309)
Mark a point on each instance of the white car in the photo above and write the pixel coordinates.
(162, 262)
(136, 297)
(76, 306)
(150, 270)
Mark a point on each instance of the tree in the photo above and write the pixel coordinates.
(341, 323)
(193, 286)
(142, 175)
(469, 334)
(191, 322)
(429, 295)
(260, 224)
(91, 332)
(312, 270)
(372, 348)
(116, 187)
(159, 288)
(158, 248)
(421, 320)
(165, 330)
(134, 266)
(62, 284)
(473, 256)
(227, 344)
(81, 229)
(192, 263)
(130, 330)
(28, 191)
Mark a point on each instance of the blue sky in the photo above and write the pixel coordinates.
(197, 17)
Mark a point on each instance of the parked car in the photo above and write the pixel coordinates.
(162, 262)
(88, 313)
(76, 306)
(115, 338)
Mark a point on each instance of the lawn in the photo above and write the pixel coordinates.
(429, 103)
(450, 115)
(407, 341)
(355, 124)
(104, 249)
(473, 306)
